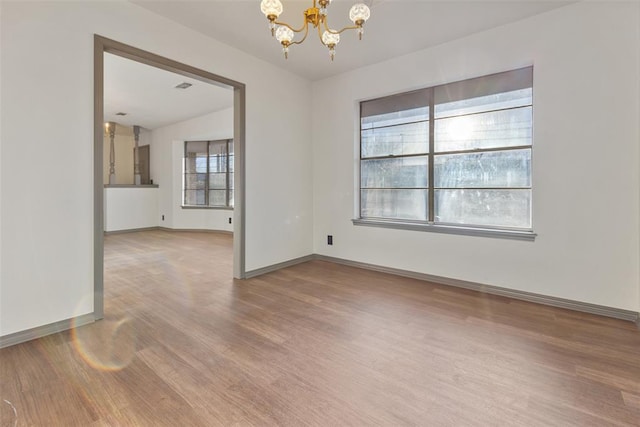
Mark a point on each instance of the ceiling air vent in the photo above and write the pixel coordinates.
(184, 85)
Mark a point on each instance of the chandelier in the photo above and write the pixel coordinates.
(316, 16)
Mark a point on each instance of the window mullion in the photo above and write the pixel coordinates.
(227, 176)
(430, 163)
(394, 156)
(360, 163)
(206, 181)
(185, 163)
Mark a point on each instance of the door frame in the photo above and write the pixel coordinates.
(102, 45)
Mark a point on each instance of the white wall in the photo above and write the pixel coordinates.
(167, 148)
(130, 208)
(585, 169)
(1, 180)
(586, 202)
(46, 76)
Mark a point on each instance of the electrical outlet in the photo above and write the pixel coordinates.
(329, 239)
(229, 220)
(163, 217)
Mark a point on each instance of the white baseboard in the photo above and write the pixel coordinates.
(196, 230)
(130, 230)
(186, 230)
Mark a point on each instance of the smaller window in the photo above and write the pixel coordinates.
(208, 174)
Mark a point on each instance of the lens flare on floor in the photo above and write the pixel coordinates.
(107, 345)
(8, 414)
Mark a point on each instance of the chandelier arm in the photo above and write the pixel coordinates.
(326, 25)
(306, 33)
(354, 27)
(284, 24)
(320, 32)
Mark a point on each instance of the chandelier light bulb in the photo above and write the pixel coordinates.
(271, 8)
(359, 13)
(284, 34)
(330, 38)
(323, 6)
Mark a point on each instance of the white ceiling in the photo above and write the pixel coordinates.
(149, 97)
(396, 27)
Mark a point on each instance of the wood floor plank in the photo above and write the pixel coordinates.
(316, 344)
(631, 400)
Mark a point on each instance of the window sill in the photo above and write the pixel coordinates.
(224, 208)
(130, 185)
(448, 229)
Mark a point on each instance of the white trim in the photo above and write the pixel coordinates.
(196, 230)
(157, 228)
(131, 230)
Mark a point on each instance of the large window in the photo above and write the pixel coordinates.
(208, 174)
(457, 155)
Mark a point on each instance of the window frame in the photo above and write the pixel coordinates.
(227, 143)
(430, 225)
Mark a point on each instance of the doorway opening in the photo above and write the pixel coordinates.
(103, 45)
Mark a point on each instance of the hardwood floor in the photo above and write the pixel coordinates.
(315, 344)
